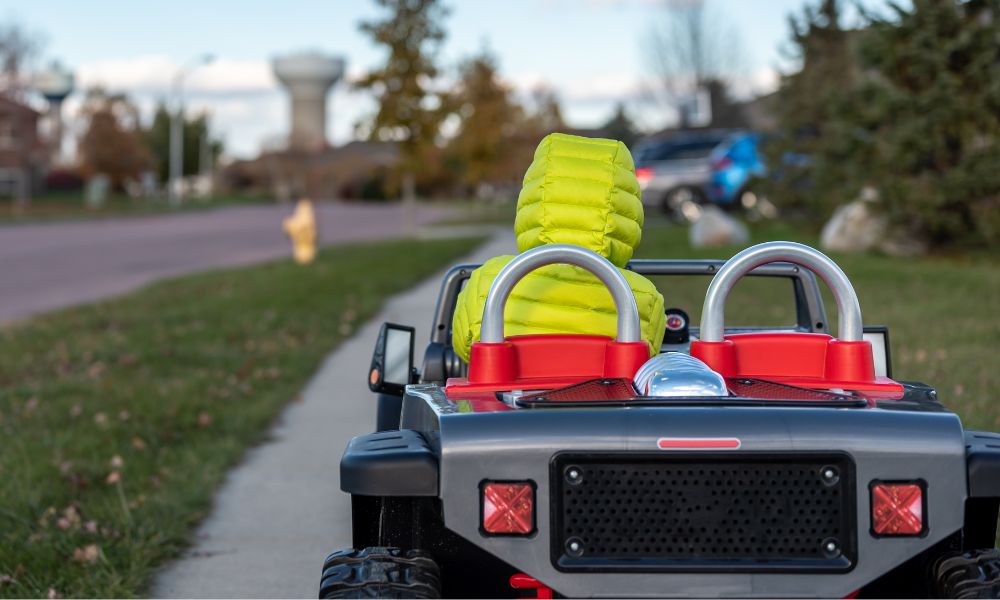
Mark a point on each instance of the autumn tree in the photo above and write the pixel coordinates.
(410, 111)
(112, 143)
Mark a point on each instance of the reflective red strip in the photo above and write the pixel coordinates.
(698, 443)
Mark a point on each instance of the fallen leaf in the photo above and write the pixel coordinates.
(95, 370)
(87, 554)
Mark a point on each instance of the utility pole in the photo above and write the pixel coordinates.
(174, 183)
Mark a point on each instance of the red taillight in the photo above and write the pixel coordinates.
(643, 174)
(897, 509)
(508, 508)
(722, 164)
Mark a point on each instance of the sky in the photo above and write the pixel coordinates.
(591, 52)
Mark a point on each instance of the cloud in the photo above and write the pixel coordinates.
(155, 74)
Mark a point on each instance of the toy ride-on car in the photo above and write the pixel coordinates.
(737, 463)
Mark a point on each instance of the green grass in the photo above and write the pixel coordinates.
(118, 420)
(943, 313)
(70, 206)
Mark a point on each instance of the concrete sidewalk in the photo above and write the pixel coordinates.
(281, 511)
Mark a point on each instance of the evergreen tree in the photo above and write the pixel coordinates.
(806, 102)
(923, 126)
(483, 147)
(157, 138)
(909, 105)
(409, 112)
(620, 127)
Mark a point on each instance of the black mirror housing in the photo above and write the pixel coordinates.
(392, 361)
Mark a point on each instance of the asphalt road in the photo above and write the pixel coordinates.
(49, 266)
(281, 511)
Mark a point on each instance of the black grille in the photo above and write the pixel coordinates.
(701, 512)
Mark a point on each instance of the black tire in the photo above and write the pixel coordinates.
(380, 573)
(969, 575)
(675, 199)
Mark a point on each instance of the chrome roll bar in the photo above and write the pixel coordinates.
(492, 331)
(848, 308)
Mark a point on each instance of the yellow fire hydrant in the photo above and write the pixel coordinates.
(301, 228)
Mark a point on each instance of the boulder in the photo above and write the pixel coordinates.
(713, 228)
(854, 227)
(858, 227)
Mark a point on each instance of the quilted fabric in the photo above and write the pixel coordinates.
(579, 191)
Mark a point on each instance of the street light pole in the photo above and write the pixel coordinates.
(174, 183)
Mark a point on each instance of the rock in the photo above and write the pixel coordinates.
(854, 227)
(713, 228)
(857, 227)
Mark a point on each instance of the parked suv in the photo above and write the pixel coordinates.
(702, 167)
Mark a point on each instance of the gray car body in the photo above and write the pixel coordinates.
(692, 174)
(519, 445)
(672, 175)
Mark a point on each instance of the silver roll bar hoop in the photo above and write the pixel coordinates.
(492, 331)
(850, 326)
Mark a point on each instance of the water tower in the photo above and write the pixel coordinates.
(55, 83)
(308, 76)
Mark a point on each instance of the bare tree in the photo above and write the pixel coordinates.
(693, 48)
(18, 49)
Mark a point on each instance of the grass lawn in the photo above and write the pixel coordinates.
(118, 420)
(67, 206)
(943, 313)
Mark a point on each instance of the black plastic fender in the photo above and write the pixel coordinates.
(390, 463)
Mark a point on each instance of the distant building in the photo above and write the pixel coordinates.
(23, 153)
(356, 170)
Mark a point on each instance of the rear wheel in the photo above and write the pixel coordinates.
(970, 575)
(380, 573)
(683, 204)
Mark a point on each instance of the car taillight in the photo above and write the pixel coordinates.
(643, 174)
(897, 508)
(508, 507)
(722, 164)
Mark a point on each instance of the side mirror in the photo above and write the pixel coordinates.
(392, 362)
(878, 335)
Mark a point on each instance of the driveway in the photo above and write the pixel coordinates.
(49, 266)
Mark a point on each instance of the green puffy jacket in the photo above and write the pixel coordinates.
(579, 191)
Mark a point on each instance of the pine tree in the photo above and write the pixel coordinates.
(410, 112)
(909, 105)
(925, 121)
(482, 147)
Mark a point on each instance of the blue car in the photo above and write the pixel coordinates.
(734, 163)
